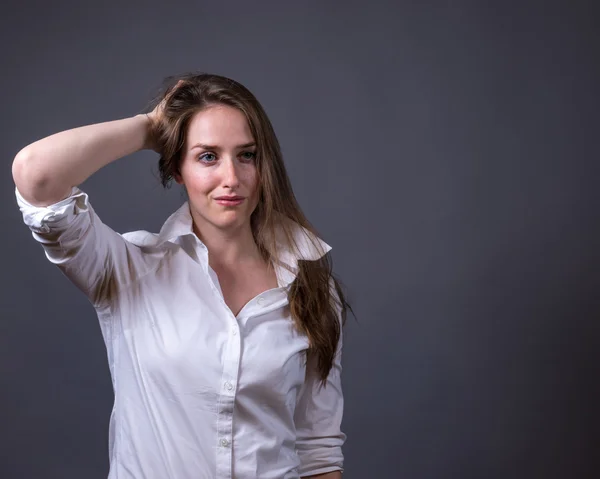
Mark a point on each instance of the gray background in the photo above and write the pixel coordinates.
(446, 150)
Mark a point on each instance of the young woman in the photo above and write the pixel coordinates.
(224, 330)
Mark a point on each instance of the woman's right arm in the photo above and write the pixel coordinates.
(46, 171)
(98, 260)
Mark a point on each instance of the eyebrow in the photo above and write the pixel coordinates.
(215, 147)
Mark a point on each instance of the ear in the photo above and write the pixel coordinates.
(178, 179)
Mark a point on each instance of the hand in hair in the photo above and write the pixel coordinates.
(154, 119)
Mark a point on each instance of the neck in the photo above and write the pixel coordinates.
(228, 247)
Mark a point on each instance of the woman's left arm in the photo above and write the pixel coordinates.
(328, 475)
(318, 419)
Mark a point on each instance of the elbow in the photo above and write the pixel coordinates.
(19, 165)
(25, 171)
(33, 183)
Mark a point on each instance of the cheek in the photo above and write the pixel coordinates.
(251, 180)
(201, 182)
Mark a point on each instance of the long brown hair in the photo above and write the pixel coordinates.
(317, 303)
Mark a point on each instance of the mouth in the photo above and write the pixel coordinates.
(229, 200)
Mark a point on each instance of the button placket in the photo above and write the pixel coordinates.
(229, 379)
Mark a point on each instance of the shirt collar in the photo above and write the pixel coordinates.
(309, 246)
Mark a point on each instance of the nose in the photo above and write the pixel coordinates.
(231, 177)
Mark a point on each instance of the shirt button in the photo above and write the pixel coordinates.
(224, 442)
(234, 332)
(229, 386)
(261, 301)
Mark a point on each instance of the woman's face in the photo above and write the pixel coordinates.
(218, 169)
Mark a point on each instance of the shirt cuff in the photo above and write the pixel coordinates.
(42, 219)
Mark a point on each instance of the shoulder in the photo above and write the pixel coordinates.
(141, 238)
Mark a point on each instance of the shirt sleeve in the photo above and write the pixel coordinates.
(318, 419)
(93, 256)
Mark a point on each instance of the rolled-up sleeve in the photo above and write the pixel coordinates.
(74, 238)
(318, 419)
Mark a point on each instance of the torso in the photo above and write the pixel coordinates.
(239, 286)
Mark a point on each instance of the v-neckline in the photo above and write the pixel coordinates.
(250, 301)
(237, 316)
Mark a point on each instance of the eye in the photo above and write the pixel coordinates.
(207, 157)
(249, 155)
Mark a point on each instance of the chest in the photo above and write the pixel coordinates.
(239, 286)
(184, 340)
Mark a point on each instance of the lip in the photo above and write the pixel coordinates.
(230, 200)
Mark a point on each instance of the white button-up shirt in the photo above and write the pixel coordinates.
(199, 392)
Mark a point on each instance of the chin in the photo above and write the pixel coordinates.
(229, 220)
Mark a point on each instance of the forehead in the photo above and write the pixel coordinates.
(219, 125)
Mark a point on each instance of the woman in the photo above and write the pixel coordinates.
(224, 330)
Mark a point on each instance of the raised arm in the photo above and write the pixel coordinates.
(45, 171)
(47, 174)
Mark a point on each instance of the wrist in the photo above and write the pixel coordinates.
(148, 137)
